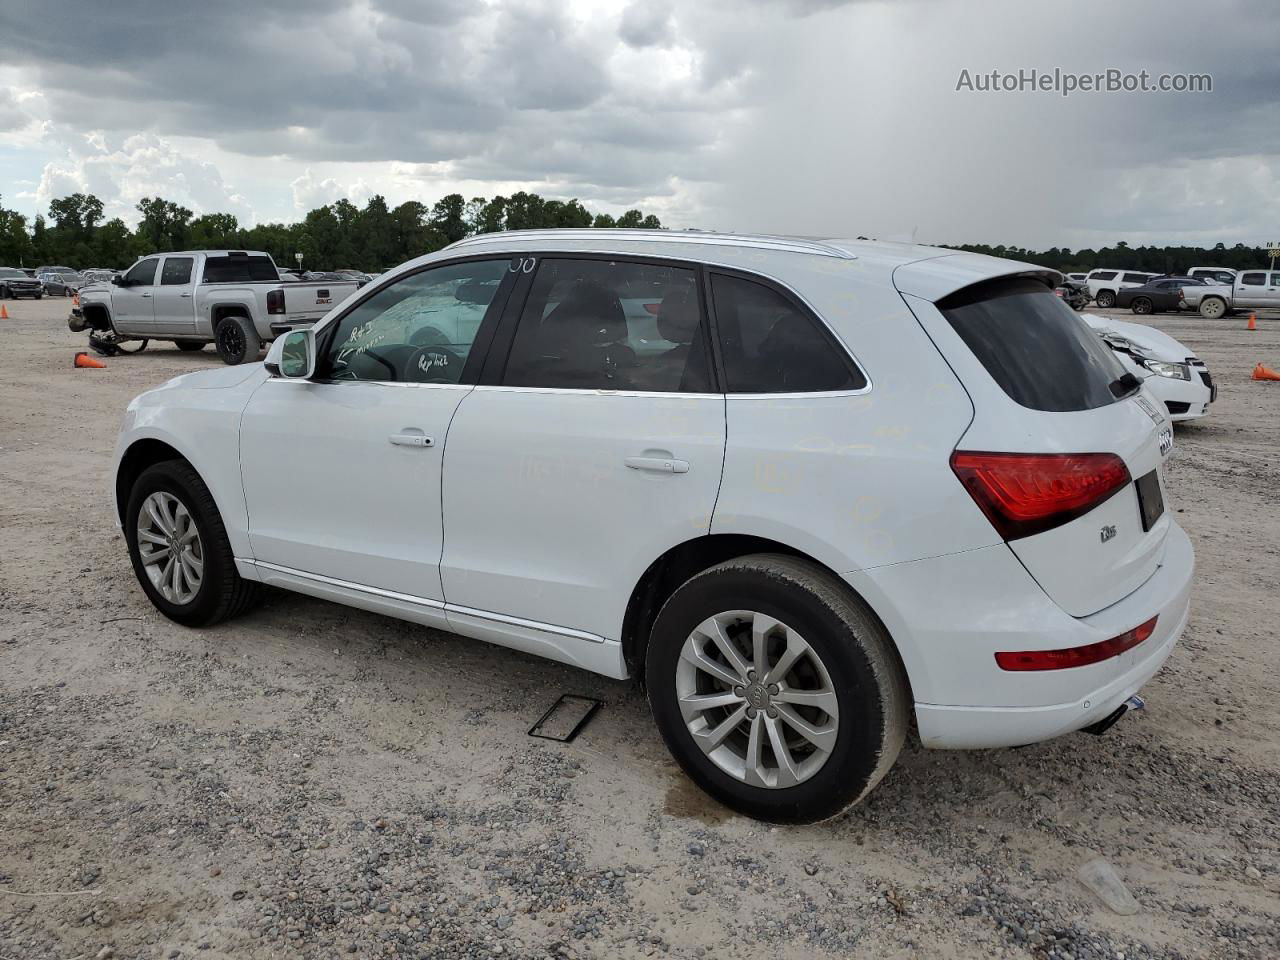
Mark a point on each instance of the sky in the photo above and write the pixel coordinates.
(809, 117)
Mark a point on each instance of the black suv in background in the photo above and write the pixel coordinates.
(15, 283)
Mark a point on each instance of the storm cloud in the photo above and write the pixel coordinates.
(797, 117)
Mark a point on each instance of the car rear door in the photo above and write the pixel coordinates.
(133, 301)
(593, 444)
(172, 302)
(1251, 289)
(342, 472)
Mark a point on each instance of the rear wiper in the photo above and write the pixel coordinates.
(1124, 385)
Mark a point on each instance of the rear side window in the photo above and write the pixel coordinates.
(177, 270)
(1035, 346)
(1136, 278)
(1102, 275)
(770, 345)
(239, 269)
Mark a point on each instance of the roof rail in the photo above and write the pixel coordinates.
(761, 241)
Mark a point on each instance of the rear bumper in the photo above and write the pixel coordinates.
(284, 326)
(962, 609)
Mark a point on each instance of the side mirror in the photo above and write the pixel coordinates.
(293, 356)
(119, 281)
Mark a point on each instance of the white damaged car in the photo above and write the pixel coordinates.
(1173, 374)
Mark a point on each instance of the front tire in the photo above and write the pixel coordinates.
(776, 689)
(1105, 299)
(237, 340)
(179, 548)
(190, 346)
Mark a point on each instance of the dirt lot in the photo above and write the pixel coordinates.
(317, 781)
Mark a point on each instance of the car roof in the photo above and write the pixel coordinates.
(208, 253)
(925, 271)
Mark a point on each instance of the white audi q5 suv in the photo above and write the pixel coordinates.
(810, 492)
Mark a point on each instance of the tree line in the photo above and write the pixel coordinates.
(1173, 260)
(335, 236)
(375, 237)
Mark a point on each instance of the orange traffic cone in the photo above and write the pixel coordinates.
(4, 312)
(1253, 322)
(84, 360)
(1262, 373)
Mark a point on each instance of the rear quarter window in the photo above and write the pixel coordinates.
(239, 269)
(1034, 346)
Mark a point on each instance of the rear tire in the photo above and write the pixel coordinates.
(1213, 308)
(221, 592)
(1142, 306)
(190, 346)
(1105, 299)
(237, 340)
(857, 704)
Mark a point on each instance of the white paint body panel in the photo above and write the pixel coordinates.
(543, 518)
(328, 493)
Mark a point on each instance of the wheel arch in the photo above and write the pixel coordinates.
(691, 557)
(137, 457)
(147, 449)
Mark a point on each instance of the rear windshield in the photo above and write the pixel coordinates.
(1034, 345)
(239, 269)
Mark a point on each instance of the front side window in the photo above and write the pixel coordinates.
(770, 345)
(142, 273)
(1275, 279)
(419, 329)
(177, 270)
(1102, 275)
(1136, 278)
(1253, 279)
(611, 325)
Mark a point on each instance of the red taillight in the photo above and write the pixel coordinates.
(275, 301)
(1027, 493)
(653, 308)
(1076, 656)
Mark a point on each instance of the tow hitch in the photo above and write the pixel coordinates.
(1110, 720)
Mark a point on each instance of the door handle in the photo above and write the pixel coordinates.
(185, 295)
(657, 464)
(412, 440)
(146, 295)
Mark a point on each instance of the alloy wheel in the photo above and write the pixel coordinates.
(757, 699)
(169, 547)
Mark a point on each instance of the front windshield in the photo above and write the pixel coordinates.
(10, 272)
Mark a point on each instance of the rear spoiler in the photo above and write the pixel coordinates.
(938, 277)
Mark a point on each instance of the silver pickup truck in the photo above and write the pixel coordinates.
(1252, 290)
(234, 299)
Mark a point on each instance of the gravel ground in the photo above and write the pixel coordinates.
(315, 781)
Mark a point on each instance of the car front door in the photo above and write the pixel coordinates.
(172, 302)
(132, 309)
(593, 444)
(341, 472)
